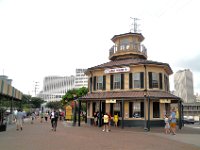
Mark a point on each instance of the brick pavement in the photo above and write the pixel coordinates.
(38, 136)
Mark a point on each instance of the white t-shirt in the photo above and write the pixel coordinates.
(52, 115)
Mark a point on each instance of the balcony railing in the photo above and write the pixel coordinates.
(129, 47)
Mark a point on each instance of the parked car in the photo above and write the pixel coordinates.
(188, 121)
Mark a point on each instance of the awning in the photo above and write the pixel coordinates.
(127, 95)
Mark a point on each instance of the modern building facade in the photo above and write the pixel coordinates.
(81, 79)
(54, 87)
(135, 88)
(183, 85)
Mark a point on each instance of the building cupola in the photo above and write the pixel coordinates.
(128, 45)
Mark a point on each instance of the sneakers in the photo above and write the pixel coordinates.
(107, 130)
(103, 130)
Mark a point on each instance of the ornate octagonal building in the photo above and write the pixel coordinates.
(130, 85)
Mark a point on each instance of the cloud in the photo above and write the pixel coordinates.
(191, 63)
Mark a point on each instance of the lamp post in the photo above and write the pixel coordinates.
(74, 112)
(145, 119)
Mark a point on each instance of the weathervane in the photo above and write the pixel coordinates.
(134, 25)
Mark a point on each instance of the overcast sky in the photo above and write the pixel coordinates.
(41, 38)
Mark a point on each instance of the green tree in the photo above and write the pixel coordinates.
(54, 105)
(73, 94)
(36, 102)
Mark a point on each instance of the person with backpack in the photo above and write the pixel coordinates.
(54, 119)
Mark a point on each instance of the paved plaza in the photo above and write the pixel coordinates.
(39, 136)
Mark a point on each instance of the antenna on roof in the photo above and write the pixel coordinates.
(134, 25)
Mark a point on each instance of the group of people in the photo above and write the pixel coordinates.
(107, 119)
(54, 116)
(170, 122)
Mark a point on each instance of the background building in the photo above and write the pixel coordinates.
(54, 87)
(183, 82)
(81, 80)
(5, 78)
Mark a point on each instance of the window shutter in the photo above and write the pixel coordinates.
(160, 80)
(104, 82)
(90, 84)
(111, 82)
(94, 86)
(141, 79)
(122, 81)
(130, 81)
(150, 80)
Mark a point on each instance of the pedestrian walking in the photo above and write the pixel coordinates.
(19, 119)
(116, 118)
(173, 121)
(41, 117)
(46, 116)
(167, 126)
(109, 122)
(54, 119)
(105, 121)
(32, 117)
(95, 119)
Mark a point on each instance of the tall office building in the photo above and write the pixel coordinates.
(183, 84)
(54, 87)
(81, 80)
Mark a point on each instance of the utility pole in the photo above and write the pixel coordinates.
(36, 87)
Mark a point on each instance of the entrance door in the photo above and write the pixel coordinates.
(103, 108)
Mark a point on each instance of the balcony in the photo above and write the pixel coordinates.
(129, 48)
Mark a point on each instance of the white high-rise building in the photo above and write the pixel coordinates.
(81, 79)
(54, 87)
(183, 84)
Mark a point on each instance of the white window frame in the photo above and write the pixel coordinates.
(117, 81)
(136, 78)
(155, 80)
(99, 82)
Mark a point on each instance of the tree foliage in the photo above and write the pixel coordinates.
(54, 105)
(36, 102)
(73, 94)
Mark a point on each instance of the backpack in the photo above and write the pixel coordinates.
(56, 114)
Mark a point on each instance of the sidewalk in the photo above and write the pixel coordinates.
(67, 137)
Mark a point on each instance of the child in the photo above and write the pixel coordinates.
(116, 118)
(167, 126)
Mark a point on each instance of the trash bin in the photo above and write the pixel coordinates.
(3, 122)
(3, 127)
